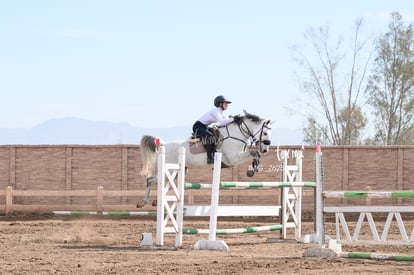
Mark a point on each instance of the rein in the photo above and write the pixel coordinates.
(248, 134)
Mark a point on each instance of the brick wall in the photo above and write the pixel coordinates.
(79, 167)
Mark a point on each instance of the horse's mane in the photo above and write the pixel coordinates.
(249, 116)
(253, 118)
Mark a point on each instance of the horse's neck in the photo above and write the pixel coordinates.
(242, 132)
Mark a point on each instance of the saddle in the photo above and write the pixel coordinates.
(196, 144)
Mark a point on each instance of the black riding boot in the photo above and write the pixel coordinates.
(210, 149)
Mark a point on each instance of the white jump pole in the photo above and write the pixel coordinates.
(160, 191)
(180, 195)
(319, 205)
(212, 243)
(215, 196)
(319, 235)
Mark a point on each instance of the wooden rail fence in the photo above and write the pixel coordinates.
(9, 194)
(10, 199)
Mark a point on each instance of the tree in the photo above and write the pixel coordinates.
(352, 125)
(336, 82)
(391, 86)
(314, 133)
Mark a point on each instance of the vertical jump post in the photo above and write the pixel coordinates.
(170, 206)
(212, 243)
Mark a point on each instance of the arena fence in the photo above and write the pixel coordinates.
(96, 201)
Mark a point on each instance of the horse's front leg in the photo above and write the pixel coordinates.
(254, 168)
(150, 181)
(256, 161)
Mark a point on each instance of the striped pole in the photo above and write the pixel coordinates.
(106, 213)
(369, 194)
(234, 231)
(250, 185)
(132, 213)
(376, 256)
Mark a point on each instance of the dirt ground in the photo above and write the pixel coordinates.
(110, 245)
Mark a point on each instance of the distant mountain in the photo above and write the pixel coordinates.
(80, 131)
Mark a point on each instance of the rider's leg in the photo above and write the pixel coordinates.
(209, 145)
(211, 149)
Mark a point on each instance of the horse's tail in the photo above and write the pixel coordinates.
(148, 155)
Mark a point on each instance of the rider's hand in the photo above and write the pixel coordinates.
(215, 126)
(237, 118)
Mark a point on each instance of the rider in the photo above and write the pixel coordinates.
(215, 115)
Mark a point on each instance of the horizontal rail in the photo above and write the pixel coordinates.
(366, 209)
(74, 193)
(376, 256)
(107, 213)
(31, 208)
(369, 194)
(100, 195)
(250, 185)
(234, 230)
(233, 210)
(98, 206)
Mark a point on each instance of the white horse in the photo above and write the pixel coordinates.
(234, 140)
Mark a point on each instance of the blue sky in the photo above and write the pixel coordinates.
(161, 63)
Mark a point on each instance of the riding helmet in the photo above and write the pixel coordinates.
(220, 99)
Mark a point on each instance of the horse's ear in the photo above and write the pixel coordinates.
(245, 112)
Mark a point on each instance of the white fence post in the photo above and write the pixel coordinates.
(170, 197)
(319, 205)
(180, 202)
(215, 196)
(291, 201)
(160, 196)
(212, 243)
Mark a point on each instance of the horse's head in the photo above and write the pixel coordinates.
(256, 129)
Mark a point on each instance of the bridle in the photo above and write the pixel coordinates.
(248, 134)
(261, 130)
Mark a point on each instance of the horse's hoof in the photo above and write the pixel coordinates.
(154, 203)
(255, 165)
(140, 204)
(250, 173)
